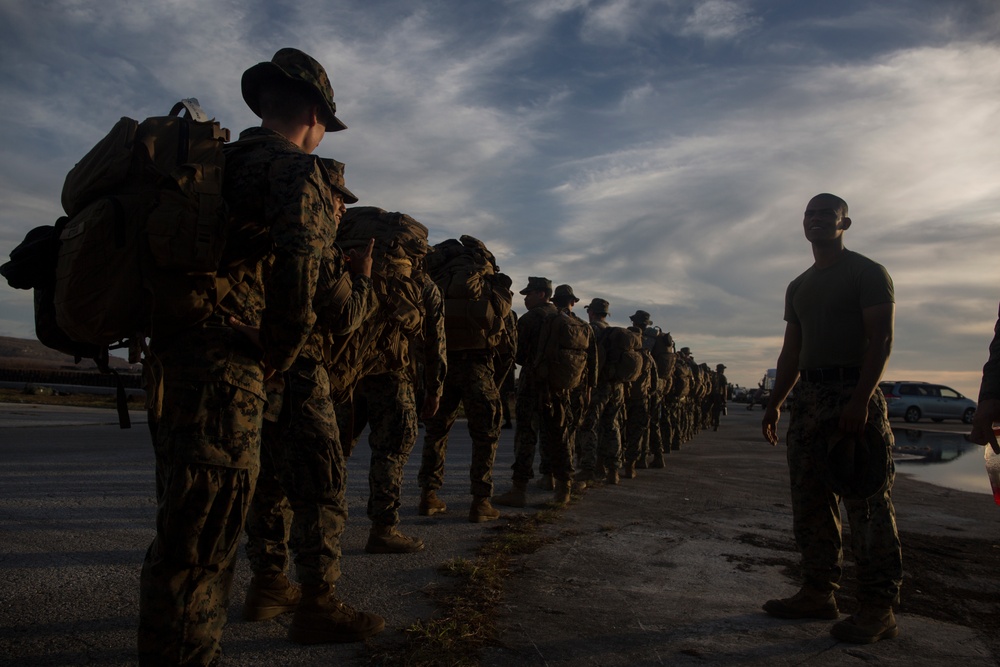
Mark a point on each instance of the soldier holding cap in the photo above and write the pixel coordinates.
(207, 434)
(837, 363)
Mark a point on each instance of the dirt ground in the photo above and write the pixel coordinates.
(672, 568)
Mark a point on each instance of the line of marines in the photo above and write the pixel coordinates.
(248, 437)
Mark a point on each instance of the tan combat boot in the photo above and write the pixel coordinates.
(430, 504)
(562, 492)
(807, 603)
(867, 626)
(322, 618)
(628, 470)
(388, 540)
(270, 595)
(546, 483)
(481, 510)
(612, 477)
(513, 498)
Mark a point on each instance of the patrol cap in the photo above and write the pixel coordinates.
(685, 350)
(536, 283)
(720, 367)
(335, 168)
(598, 306)
(564, 292)
(641, 319)
(856, 467)
(290, 64)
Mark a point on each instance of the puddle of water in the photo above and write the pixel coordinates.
(944, 459)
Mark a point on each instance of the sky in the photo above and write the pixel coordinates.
(655, 153)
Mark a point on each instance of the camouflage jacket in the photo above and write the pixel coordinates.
(529, 326)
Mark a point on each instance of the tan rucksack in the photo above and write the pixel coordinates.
(563, 346)
(477, 296)
(619, 355)
(381, 344)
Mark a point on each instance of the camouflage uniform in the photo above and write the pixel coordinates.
(470, 382)
(529, 396)
(599, 436)
(816, 511)
(637, 410)
(720, 392)
(207, 436)
(392, 410)
(301, 448)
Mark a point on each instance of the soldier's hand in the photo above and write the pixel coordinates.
(987, 412)
(360, 263)
(430, 407)
(769, 425)
(253, 333)
(854, 417)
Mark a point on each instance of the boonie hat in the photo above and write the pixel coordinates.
(598, 306)
(856, 467)
(720, 367)
(641, 319)
(290, 64)
(336, 169)
(536, 283)
(564, 291)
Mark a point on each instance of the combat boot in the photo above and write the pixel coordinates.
(513, 498)
(482, 511)
(388, 540)
(657, 461)
(322, 618)
(807, 603)
(562, 493)
(867, 626)
(628, 470)
(546, 483)
(270, 595)
(641, 463)
(612, 477)
(600, 470)
(430, 504)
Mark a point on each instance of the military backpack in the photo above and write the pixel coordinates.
(382, 343)
(477, 296)
(141, 241)
(619, 355)
(563, 346)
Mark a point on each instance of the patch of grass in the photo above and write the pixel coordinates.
(466, 618)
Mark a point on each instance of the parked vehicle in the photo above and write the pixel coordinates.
(915, 400)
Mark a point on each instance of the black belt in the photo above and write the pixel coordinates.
(838, 374)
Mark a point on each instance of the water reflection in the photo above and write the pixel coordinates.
(958, 464)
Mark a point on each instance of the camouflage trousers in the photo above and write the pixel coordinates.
(558, 416)
(391, 409)
(528, 430)
(206, 444)
(636, 427)
(654, 441)
(303, 477)
(816, 509)
(668, 423)
(717, 406)
(469, 382)
(599, 437)
(269, 519)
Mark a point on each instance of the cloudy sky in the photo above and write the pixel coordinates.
(656, 153)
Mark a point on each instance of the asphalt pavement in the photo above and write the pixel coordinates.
(669, 568)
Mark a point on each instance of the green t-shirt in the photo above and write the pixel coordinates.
(827, 303)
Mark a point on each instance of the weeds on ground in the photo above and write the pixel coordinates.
(466, 618)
